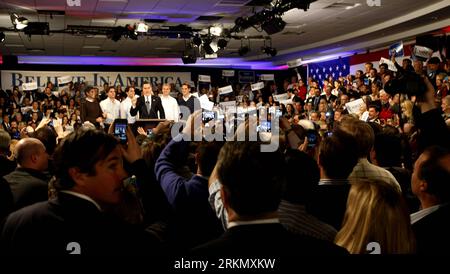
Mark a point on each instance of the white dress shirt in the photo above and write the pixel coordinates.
(125, 107)
(171, 108)
(111, 108)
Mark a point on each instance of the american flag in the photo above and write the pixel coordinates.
(335, 68)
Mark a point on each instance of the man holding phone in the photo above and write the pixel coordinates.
(148, 105)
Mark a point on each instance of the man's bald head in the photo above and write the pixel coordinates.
(31, 153)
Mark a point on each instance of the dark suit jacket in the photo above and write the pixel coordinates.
(46, 228)
(155, 106)
(270, 240)
(329, 203)
(27, 186)
(433, 232)
(6, 166)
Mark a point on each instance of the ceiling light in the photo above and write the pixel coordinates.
(216, 31)
(2, 37)
(19, 22)
(141, 27)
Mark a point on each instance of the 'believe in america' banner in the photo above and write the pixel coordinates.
(12, 78)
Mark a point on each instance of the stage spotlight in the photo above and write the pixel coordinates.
(243, 50)
(2, 37)
(216, 31)
(269, 51)
(197, 41)
(188, 58)
(141, 27)
(274, 25)
(222, 43)
(19, 22)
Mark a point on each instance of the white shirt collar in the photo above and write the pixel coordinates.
(84, 197)
(189, 96)
(253, 222)
(417, 216)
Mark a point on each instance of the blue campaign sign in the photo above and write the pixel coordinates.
(396, 49)
(246, 76)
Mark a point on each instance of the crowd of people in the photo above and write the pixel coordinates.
(341, 180)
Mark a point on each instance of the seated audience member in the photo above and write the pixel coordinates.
(302, 175)
(336, 162)
(376, 213)
(364, 140)
(86, 184)
(251, 183)
(29, 183)
(431, 184)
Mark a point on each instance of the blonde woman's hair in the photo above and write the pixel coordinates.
(376, 212)
(408, 105)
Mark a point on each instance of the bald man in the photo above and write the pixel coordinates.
(29, 183)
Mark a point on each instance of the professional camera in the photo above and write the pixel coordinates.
(407, 82)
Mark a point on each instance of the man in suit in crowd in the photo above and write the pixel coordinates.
(148, 105)
(251, 189)
(431, 184)
(6, 167)
(29, 183)
(87, 185)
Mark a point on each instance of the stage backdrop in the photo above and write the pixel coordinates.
(12, 78)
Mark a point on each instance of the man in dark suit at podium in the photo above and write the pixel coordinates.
(147, 105)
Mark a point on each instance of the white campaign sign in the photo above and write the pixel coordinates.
(29, 86)
(354, 106)
(388, 62)
(204, 78)
(294, 63)
(64, 80)
(11, 78)
(257, 86)
(267, 77)
(280, 97)
(228, 73)
(205, 103)
(225, 90)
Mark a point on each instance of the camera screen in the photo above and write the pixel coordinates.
(265, 126)
(208, 116)
(120, 131)
(312, 138)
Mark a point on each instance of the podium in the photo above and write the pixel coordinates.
(146, 123)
